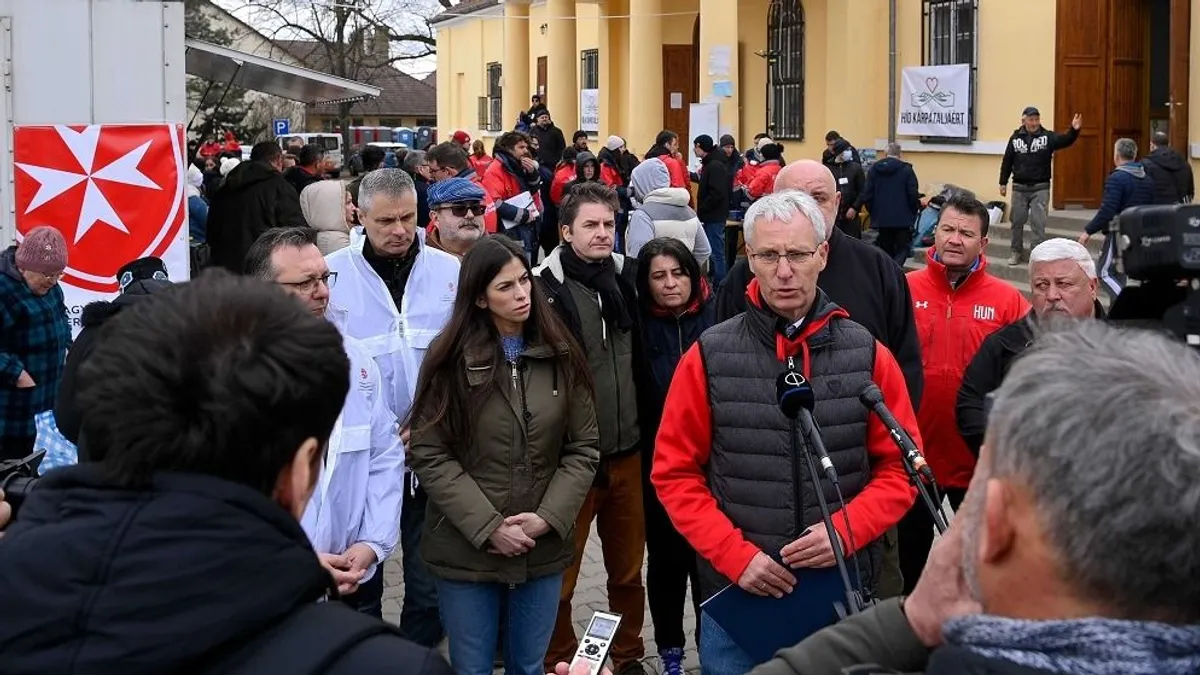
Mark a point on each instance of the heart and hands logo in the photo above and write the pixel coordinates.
(942, 98)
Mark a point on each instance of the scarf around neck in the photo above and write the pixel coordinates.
(601, 277)
(1082, 646)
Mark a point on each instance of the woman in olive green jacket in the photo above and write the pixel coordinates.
(505, 442)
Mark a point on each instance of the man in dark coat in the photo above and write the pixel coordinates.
(1128, 185)
(308, 169)
(848, 173)
(893, 198)
(712, 206)
(550, 140)
(186, 555)
(253, 199)
(1172, 174)
(1062, 275)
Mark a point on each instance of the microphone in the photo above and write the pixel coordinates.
(872, 398)
(796, 400)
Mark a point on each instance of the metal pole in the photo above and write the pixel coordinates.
(891, 71)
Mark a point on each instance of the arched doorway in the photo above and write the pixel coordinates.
(785, 70)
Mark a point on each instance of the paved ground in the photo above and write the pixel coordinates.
(590, 595)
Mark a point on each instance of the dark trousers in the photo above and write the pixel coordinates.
(916, 537)
(896, 242)
(670, 565)
(368, 599)
(850, 226)
(16, 448)
(420, 620)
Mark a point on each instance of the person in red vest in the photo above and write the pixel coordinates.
(564, 174)
(480, 160)
(231, 143)
(666, 148)
(957, 304)
(514, 173)
(763, 182)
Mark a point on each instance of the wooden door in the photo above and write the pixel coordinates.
(681, 87)
(1080, 81)
(541, 79)
(1101, 73)
(1181, 39)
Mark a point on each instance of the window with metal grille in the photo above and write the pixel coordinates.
(589, 69)
(950, 31)
(785, 70)
(494, 94)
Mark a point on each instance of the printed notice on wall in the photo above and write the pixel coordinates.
(589, 110)
(677, 100)
(935, 101)
(719, 59)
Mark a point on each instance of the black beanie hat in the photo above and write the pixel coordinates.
(705, 142)
(728, 141)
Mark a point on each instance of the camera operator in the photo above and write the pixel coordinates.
(212, 405)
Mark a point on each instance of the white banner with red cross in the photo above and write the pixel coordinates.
(115, 191)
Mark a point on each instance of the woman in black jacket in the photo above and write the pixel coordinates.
(676, 307)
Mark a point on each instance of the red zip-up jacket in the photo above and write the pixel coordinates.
(684, 442)
(763, 182)
(563, 175)
(951, 325)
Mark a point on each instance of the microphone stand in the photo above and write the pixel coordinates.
(931, 503)
(854, 603)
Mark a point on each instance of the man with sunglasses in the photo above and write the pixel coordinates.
(449, 160)
(456, 210)
(353, 516)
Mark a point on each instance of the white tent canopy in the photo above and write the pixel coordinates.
(224, 65)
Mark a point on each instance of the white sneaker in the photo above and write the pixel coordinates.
(1014, 259)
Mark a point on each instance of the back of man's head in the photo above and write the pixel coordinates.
(225, 376)
(448, 156)
(309, 155)
(1160, 139)
(265, 151)
(1102, 493)
(372, 157)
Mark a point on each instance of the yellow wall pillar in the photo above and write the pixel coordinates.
(719, 28)
(643, 95)
(614, 41)
(861, 118)
(515, 70)
(562, 90)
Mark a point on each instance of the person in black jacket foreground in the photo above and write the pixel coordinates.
(1027, 160)
(1093, 575)
(1172, 175)
(181, 551)
(859, 278)
(1062, 275)
(138, 280)
(254, 198)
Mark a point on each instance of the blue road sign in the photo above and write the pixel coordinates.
(283, 127)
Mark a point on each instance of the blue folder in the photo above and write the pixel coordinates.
(762, 626)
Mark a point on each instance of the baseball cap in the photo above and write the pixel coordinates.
(1030, 111)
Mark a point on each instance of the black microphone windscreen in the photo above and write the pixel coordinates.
(870, 395)
(793, 393)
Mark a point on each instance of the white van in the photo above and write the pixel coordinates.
(331, 142)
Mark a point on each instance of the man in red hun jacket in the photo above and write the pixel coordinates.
(956, 304)
(723, 464)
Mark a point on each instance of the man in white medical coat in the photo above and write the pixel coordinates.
(353, 517)
(394, 295)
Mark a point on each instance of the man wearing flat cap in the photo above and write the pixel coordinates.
(456, 210)
(34, 335)
(1027, 160)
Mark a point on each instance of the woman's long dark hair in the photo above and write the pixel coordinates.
(669, 247)
(445, 401)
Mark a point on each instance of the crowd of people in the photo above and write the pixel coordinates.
(410, 366)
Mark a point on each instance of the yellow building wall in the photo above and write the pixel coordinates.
(539, 46)
(679, 21)
(752, 75)
(464, 50)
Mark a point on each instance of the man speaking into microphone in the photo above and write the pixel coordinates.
(724, 462)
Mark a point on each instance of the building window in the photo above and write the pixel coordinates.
(490, 106)
(785, 70)
(589, 69)
(950, 31)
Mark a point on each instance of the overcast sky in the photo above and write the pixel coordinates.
(401, 15)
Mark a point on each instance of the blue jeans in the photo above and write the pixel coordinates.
(472, 614)
(716, 240)
(420, 620)
(197, 219)
(719, 654)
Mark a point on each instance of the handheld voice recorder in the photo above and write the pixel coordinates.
(593, 649)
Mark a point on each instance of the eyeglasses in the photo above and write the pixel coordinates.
(793, 257)
(48, 278)
(460, 210)
(309, 286)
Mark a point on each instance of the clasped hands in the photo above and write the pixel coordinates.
(517, 534)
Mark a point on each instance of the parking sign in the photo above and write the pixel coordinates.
(283, 127)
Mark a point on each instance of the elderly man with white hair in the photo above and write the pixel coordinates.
(723, 465)
(1063, 277)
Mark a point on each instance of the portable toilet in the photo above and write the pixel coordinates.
(403, 135)
(423, 138)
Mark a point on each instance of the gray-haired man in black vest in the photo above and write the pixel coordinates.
(723, 464)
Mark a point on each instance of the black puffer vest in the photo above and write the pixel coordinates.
(759, 484)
